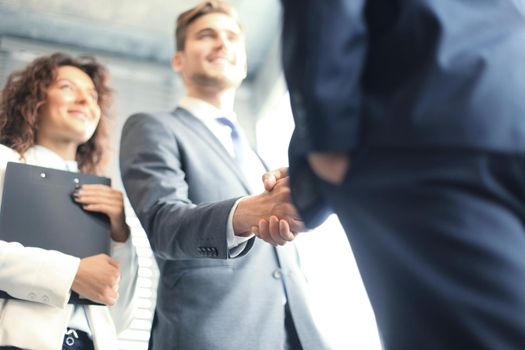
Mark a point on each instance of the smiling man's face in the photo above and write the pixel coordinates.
(214, 53)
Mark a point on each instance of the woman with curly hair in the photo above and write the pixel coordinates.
(54, 113)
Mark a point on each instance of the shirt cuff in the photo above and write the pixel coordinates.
(232, 240)
(115, 246)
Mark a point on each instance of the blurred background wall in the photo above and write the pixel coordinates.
(135, 40)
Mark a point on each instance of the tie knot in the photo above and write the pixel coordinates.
(237, 140)
(230, 124)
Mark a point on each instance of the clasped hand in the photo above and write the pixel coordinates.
(284, 222)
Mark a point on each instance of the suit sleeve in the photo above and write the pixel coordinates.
(153, 174)
(324, 47)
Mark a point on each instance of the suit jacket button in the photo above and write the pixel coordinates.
(277, 274)
(31, 296)
(45, 299)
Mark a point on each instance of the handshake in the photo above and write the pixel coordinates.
(270, 215)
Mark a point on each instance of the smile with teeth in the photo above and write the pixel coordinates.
(78, 114)
(220, 59)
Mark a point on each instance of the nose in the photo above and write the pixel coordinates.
(223, 42)
(82, 97)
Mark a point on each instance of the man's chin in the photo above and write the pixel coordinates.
(221, 81)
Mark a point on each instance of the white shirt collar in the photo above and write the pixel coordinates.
(205, 111)
(208, 113)
(48, 158)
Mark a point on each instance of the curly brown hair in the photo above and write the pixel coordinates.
(26, 91)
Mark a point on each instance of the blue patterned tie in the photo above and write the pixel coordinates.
(237, 140)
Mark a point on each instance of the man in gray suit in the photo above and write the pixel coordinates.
(188, 178)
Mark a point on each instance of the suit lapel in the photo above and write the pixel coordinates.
(204, 134)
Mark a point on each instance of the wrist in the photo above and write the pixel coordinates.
(120, 234)
(245, 217)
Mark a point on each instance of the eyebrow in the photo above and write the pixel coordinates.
(211, 29)
(90, 87)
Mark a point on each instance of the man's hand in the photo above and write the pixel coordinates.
(97, 279)
(331, 167)
(275, 231)
(275, 209)
(270, 178)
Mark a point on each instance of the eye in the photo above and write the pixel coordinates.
(205, 34)
(65, 86)
(233, 37)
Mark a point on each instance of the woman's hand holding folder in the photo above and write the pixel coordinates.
(106, 200)
(97, 279)
(97, 276)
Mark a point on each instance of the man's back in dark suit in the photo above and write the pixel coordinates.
(424, 100)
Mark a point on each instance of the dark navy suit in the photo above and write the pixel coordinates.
(428, 99)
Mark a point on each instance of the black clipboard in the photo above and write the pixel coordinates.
(38, 210)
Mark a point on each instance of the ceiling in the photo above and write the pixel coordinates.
(138, 29)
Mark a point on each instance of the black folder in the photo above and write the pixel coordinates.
(38, 210)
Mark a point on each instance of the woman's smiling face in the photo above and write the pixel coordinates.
(71, 111)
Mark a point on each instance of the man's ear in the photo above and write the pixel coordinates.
(176, 61)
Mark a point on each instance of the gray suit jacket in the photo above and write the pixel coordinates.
(182, 184)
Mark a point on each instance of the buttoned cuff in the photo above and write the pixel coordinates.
(236, 244)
